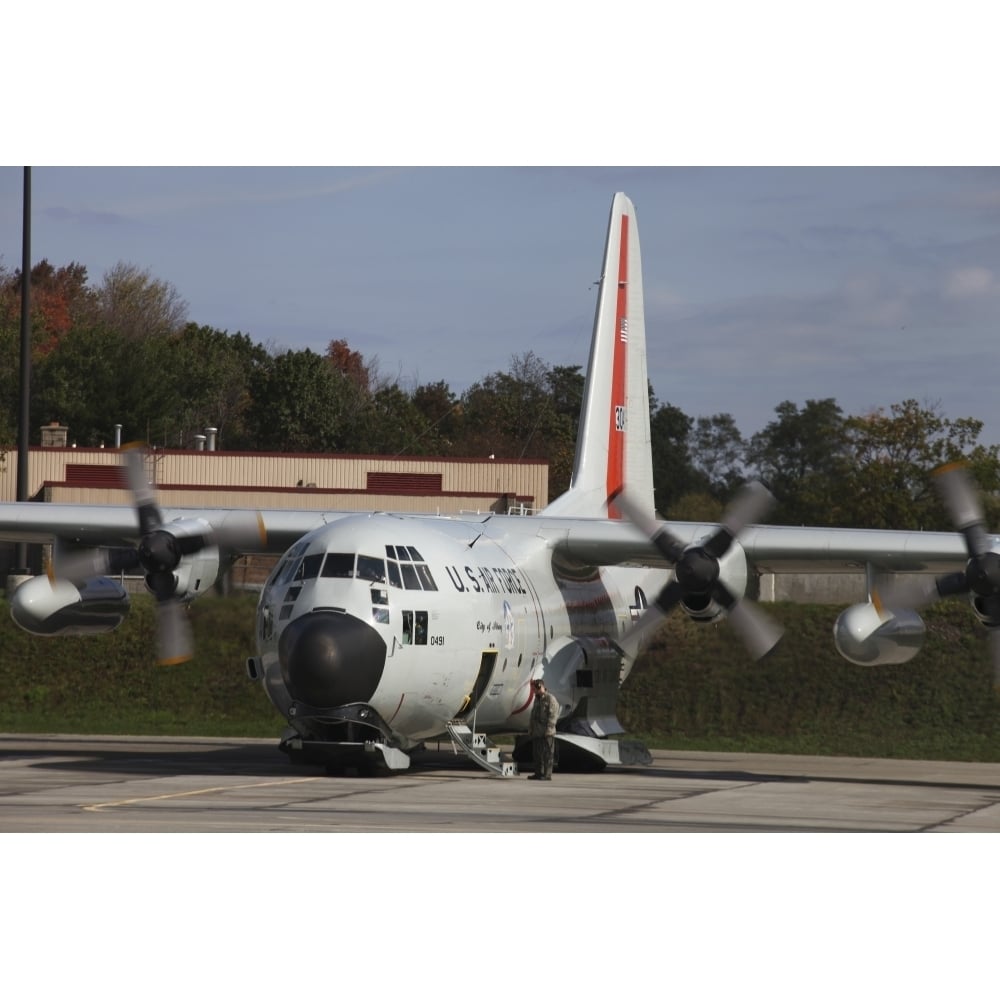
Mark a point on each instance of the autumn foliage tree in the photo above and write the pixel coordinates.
(350, 363)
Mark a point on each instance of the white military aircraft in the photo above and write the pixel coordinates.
(377, 632)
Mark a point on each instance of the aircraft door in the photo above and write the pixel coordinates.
(486, 667)
(539, 613)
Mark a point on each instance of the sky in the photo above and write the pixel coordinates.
(871, 285)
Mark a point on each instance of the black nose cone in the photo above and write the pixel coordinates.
(330, 659)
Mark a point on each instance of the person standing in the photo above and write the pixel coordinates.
(542, 730)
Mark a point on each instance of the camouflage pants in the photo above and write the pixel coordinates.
(543, 751)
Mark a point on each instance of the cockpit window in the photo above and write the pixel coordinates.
(410, 572)
(309, 567)
(288, 565)
(370, 568)
(339, 564)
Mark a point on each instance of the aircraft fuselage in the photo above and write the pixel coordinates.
(406, 623)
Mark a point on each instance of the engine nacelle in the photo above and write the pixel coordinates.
(981, 613)
(43, 607)
(733, 573)
(196, 574)
(868, 638)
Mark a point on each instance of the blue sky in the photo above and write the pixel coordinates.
(870, 285)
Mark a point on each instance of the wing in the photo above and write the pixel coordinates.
(711, 563)
(771, 548)
(113, 526)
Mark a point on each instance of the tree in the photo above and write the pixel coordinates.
(98, 377)
(349, 363)
(299, 402)
(513, 415)
(888, 483)
(674, 474)
(803, 457)
(60, 298)
(10, 357)
(443, 415)
(718, 449)
(390, 424)
(135, 304)
(566, 384)
(212, 373)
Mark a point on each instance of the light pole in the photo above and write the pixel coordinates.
(25, 388)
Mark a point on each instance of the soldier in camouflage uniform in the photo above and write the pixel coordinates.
(542, 730)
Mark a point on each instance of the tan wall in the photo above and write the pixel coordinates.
(467, 484)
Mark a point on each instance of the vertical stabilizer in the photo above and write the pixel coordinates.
(613, 440)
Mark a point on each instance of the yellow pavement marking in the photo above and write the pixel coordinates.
(98, 806)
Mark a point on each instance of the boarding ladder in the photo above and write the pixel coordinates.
(479, 748)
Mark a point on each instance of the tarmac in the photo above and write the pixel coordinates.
(105, 784)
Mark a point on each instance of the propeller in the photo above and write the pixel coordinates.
(696, 569)
(981, 575)
(159, 552)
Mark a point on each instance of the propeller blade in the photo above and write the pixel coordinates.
(639, 633)
(654, 615)
(669, 546)
(918, 592)
(158, 553)
(751, 503)
(669, 597)
(241, 530)
(958, 493)
(174, 639)
(757, 630)
(696, 569)
(79, 565)
(143, 495)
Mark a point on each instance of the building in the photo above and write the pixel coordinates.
(206, 477)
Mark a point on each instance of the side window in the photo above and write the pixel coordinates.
(290, 564)
(380, 606)
(415, 628)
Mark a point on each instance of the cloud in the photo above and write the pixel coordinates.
(84, 217)
(971, 282)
